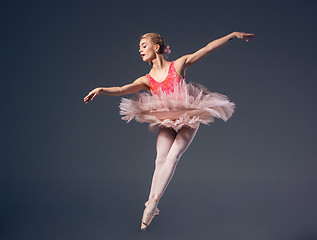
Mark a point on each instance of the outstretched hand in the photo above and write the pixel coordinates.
(244, 36)
(92, 95)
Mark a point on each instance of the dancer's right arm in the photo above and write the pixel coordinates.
(137, 85)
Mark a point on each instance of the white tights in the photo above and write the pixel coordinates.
(170, 146)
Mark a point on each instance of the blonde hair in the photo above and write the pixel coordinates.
(157, 39)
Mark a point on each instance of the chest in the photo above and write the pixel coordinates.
(167, 85)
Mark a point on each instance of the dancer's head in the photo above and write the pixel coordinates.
(151, 46)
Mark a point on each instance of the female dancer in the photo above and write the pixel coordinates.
(172, 105)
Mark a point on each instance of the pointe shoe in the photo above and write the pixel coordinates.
(147, 216)
(157, 211)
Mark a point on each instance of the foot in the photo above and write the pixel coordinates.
(157, 211)
(149, 211)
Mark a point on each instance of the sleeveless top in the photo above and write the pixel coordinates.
(188, 105)
(167, 86)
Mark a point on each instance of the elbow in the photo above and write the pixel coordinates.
(210, 47)
(120, 91)
(115, 91)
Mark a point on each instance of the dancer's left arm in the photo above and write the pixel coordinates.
(192, 58)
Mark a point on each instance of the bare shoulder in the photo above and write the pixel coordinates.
(143, 80)
(137, 85)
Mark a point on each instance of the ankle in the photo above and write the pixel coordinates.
(154, 194)
(156, 197)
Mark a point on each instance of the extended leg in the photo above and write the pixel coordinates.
(182, 141)
(165, 139)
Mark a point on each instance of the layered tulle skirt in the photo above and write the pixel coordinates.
(189, 105)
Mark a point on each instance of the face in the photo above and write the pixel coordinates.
(146, 50)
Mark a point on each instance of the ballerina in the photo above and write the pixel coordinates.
(171, 106)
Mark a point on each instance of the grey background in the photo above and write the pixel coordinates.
(71, 170)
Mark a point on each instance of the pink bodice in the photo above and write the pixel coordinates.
(167, 85)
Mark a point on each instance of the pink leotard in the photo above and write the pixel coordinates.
(167, 85)
(173, 103)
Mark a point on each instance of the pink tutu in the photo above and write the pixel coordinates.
(188, 105)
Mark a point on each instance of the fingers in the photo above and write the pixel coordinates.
(245, 36)
(86, 100)
(250, 35)
(91, 95)
(88, 97)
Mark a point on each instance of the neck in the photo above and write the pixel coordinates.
(159, 63)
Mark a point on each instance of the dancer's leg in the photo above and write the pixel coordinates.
(182, 141)
(165, 139)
